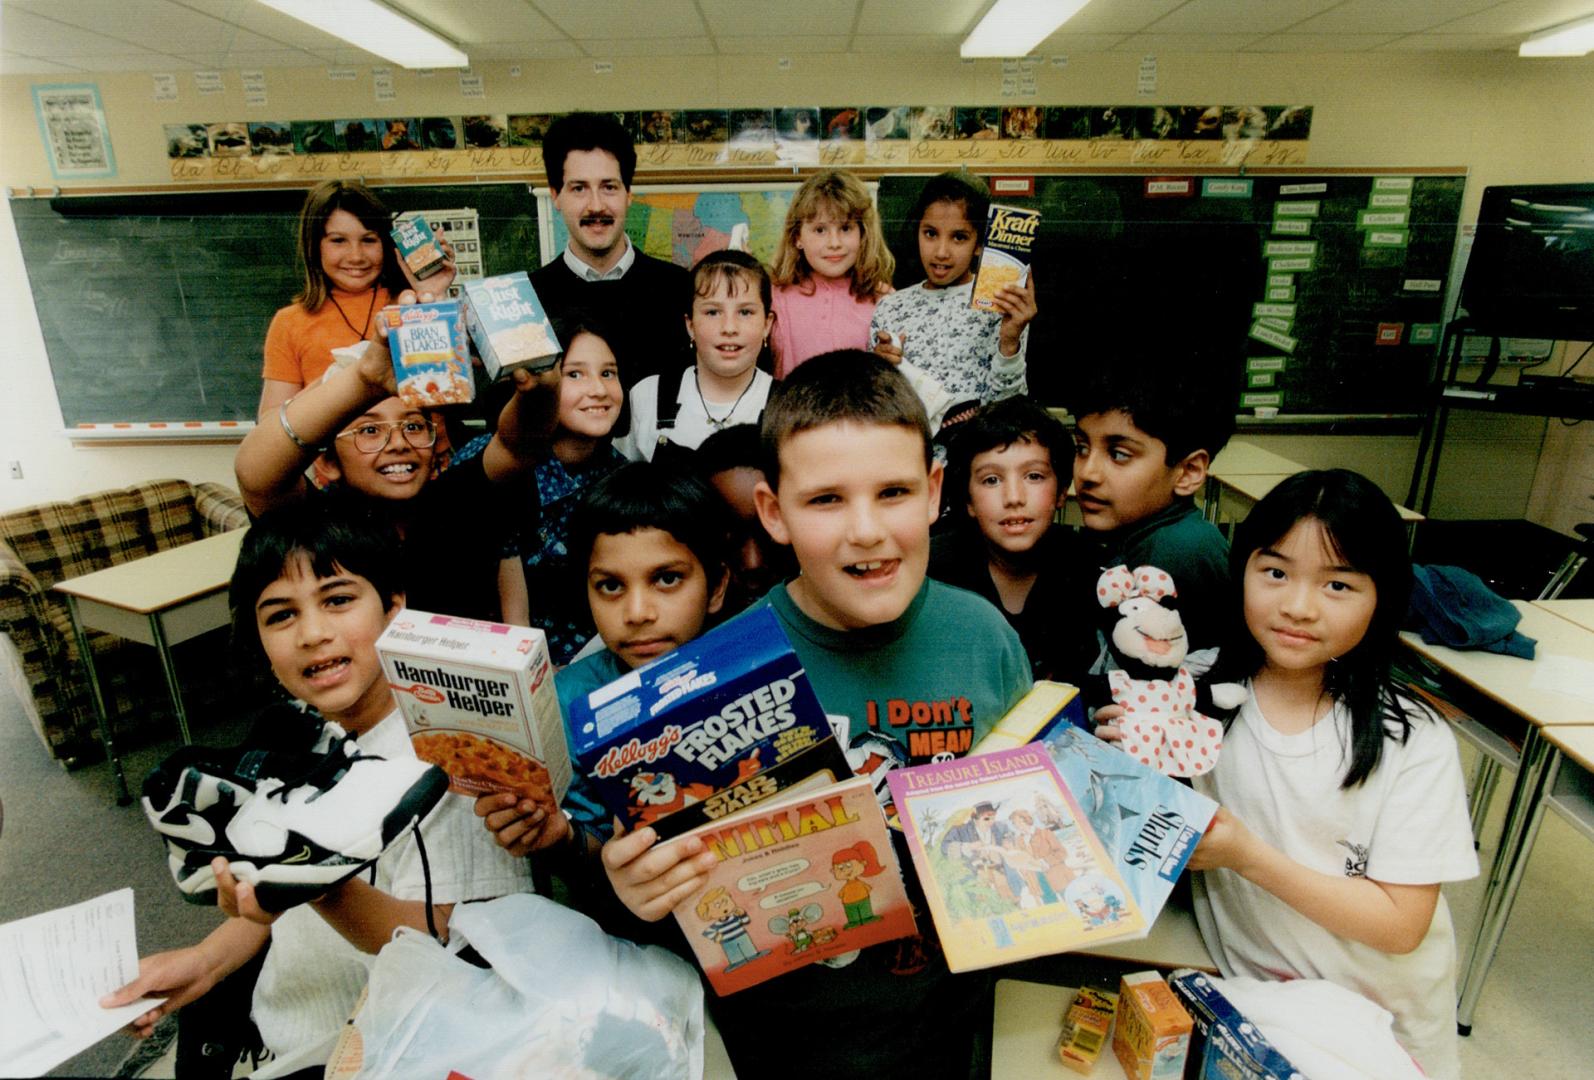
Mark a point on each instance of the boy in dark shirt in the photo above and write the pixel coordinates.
(1008, 468)
(1145, 435)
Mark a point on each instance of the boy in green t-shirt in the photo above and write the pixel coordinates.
(920, 670)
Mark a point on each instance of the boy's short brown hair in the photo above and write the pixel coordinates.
(848, 384)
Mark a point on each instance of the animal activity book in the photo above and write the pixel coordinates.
(1150, 822)
(726, 720)
(1008, 861)
(802, 877)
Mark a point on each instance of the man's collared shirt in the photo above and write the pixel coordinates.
(586, 272)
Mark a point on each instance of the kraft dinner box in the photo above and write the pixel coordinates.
(478, 700)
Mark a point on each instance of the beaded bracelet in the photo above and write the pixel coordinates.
(287, 429)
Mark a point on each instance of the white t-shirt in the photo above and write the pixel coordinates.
(692, 423)
(312, 975)
(1406, 824)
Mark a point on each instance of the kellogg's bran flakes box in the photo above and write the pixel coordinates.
(1005, 256)
(418, 246)
(478, 700)
(509, 325)
(431, 357)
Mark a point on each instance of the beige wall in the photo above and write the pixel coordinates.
(1506, 120)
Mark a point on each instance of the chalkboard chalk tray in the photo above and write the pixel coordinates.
(154, 308)
(1186, 261)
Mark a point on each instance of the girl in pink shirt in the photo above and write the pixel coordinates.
(830, 269)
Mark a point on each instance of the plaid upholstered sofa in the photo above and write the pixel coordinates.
(41, 545)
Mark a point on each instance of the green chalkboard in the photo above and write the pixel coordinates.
(155, 307)
(1121, 256)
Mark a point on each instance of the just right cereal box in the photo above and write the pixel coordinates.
(431, 359)
(509, 325)
(1005, 257)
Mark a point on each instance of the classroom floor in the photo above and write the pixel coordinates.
(64, 841)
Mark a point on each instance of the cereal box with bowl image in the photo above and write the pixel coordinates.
(431, 356)
(418, 246)
(725, 721)
(1005, 255)
(479, 702)
(509, 325)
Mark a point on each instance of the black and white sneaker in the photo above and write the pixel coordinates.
(291, 825)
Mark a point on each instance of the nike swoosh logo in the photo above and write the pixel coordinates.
(303, 855)
(194, 829)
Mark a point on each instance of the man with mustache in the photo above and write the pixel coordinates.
(590, 159)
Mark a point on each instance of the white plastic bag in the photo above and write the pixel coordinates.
(562, 1000)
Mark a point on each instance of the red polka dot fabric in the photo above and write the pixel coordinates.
(1174, 738)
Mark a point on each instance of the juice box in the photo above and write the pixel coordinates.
(1047, 705)
(1087, 1026)
(1153, 1036)
(509, 325)
(726, 720)
(1005, 255)
(431, 358)
(1224, 1045)
(418, 246)
(478, 700)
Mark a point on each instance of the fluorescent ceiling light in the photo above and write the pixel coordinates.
(377, 29)
(1569, 39)
(1014, 27)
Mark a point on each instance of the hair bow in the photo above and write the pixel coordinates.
(1120, 583)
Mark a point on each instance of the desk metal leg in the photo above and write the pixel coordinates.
(1483, 784)
(1522, 817)
(87, 655)
(170, 669)
(1209, 506)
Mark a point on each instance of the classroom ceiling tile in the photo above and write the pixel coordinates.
(141, 61)
(483, 21)
(764, 45)
(18, 64)
(266, 59)
(1238, 16)
(27, 32)
(1173, 44)
(900, 44)
(897, 17)
(609, 47)
(1062, 43)
(1437, 42)
(589, 20)
(524, 50)
(1522, 17)
(1319, 43)
(1119, 16)
(1400, 16)
(284, 29)
(741, 19)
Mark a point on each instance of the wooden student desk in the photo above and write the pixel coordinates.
(1507, 680)
(1580, 612)
(161, 600)
(1239, 459)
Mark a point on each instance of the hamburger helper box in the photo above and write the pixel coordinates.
(723, 722)
(431, 356)
(418, 246)
(479, 702)
(509, 325)
(1005, 254)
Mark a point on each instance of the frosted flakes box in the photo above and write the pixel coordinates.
(431, 357)
(509, 325)
(478, 700)
(418, 246)
(1224, 1045)
(725, 721)
(1005, 254)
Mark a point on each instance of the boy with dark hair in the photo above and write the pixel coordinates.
(731, 461)
(918, 671)
(1008, 469)
(1146, 433)
(590, 159)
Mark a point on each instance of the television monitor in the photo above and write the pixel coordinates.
(1531, 272)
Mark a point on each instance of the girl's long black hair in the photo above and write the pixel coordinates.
(1364, 531)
